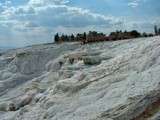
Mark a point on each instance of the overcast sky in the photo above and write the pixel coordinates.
(25, 22)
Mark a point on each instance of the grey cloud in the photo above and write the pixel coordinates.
(55, 13)
(24, 11)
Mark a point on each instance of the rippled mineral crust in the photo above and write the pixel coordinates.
(117, 80)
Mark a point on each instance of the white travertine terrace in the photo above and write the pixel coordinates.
(119, 81)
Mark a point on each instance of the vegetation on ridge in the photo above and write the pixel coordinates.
(93, 36)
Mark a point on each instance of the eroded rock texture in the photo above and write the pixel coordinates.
(102, 81)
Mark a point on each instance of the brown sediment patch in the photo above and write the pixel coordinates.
(149, 111)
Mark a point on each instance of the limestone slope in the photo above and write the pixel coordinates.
(110, 80)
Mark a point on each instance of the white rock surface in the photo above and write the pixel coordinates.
(121, 87)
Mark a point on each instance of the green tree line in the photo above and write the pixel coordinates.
(94, 36)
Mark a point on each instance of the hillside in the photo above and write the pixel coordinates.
(69, 81)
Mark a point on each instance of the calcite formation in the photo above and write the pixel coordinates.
(117, 80)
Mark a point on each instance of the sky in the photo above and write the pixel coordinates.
(27, 22)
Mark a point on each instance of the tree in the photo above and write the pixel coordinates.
(125, 31)
(144, 34)
(72, 37)
(94, 33)
(150, 35)
(66, 38)
(159, 31)
(78, 37)
(135, 34)
(56, 38)
(102, 34)
(84, 36)
(62, 38)
(156, 30)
